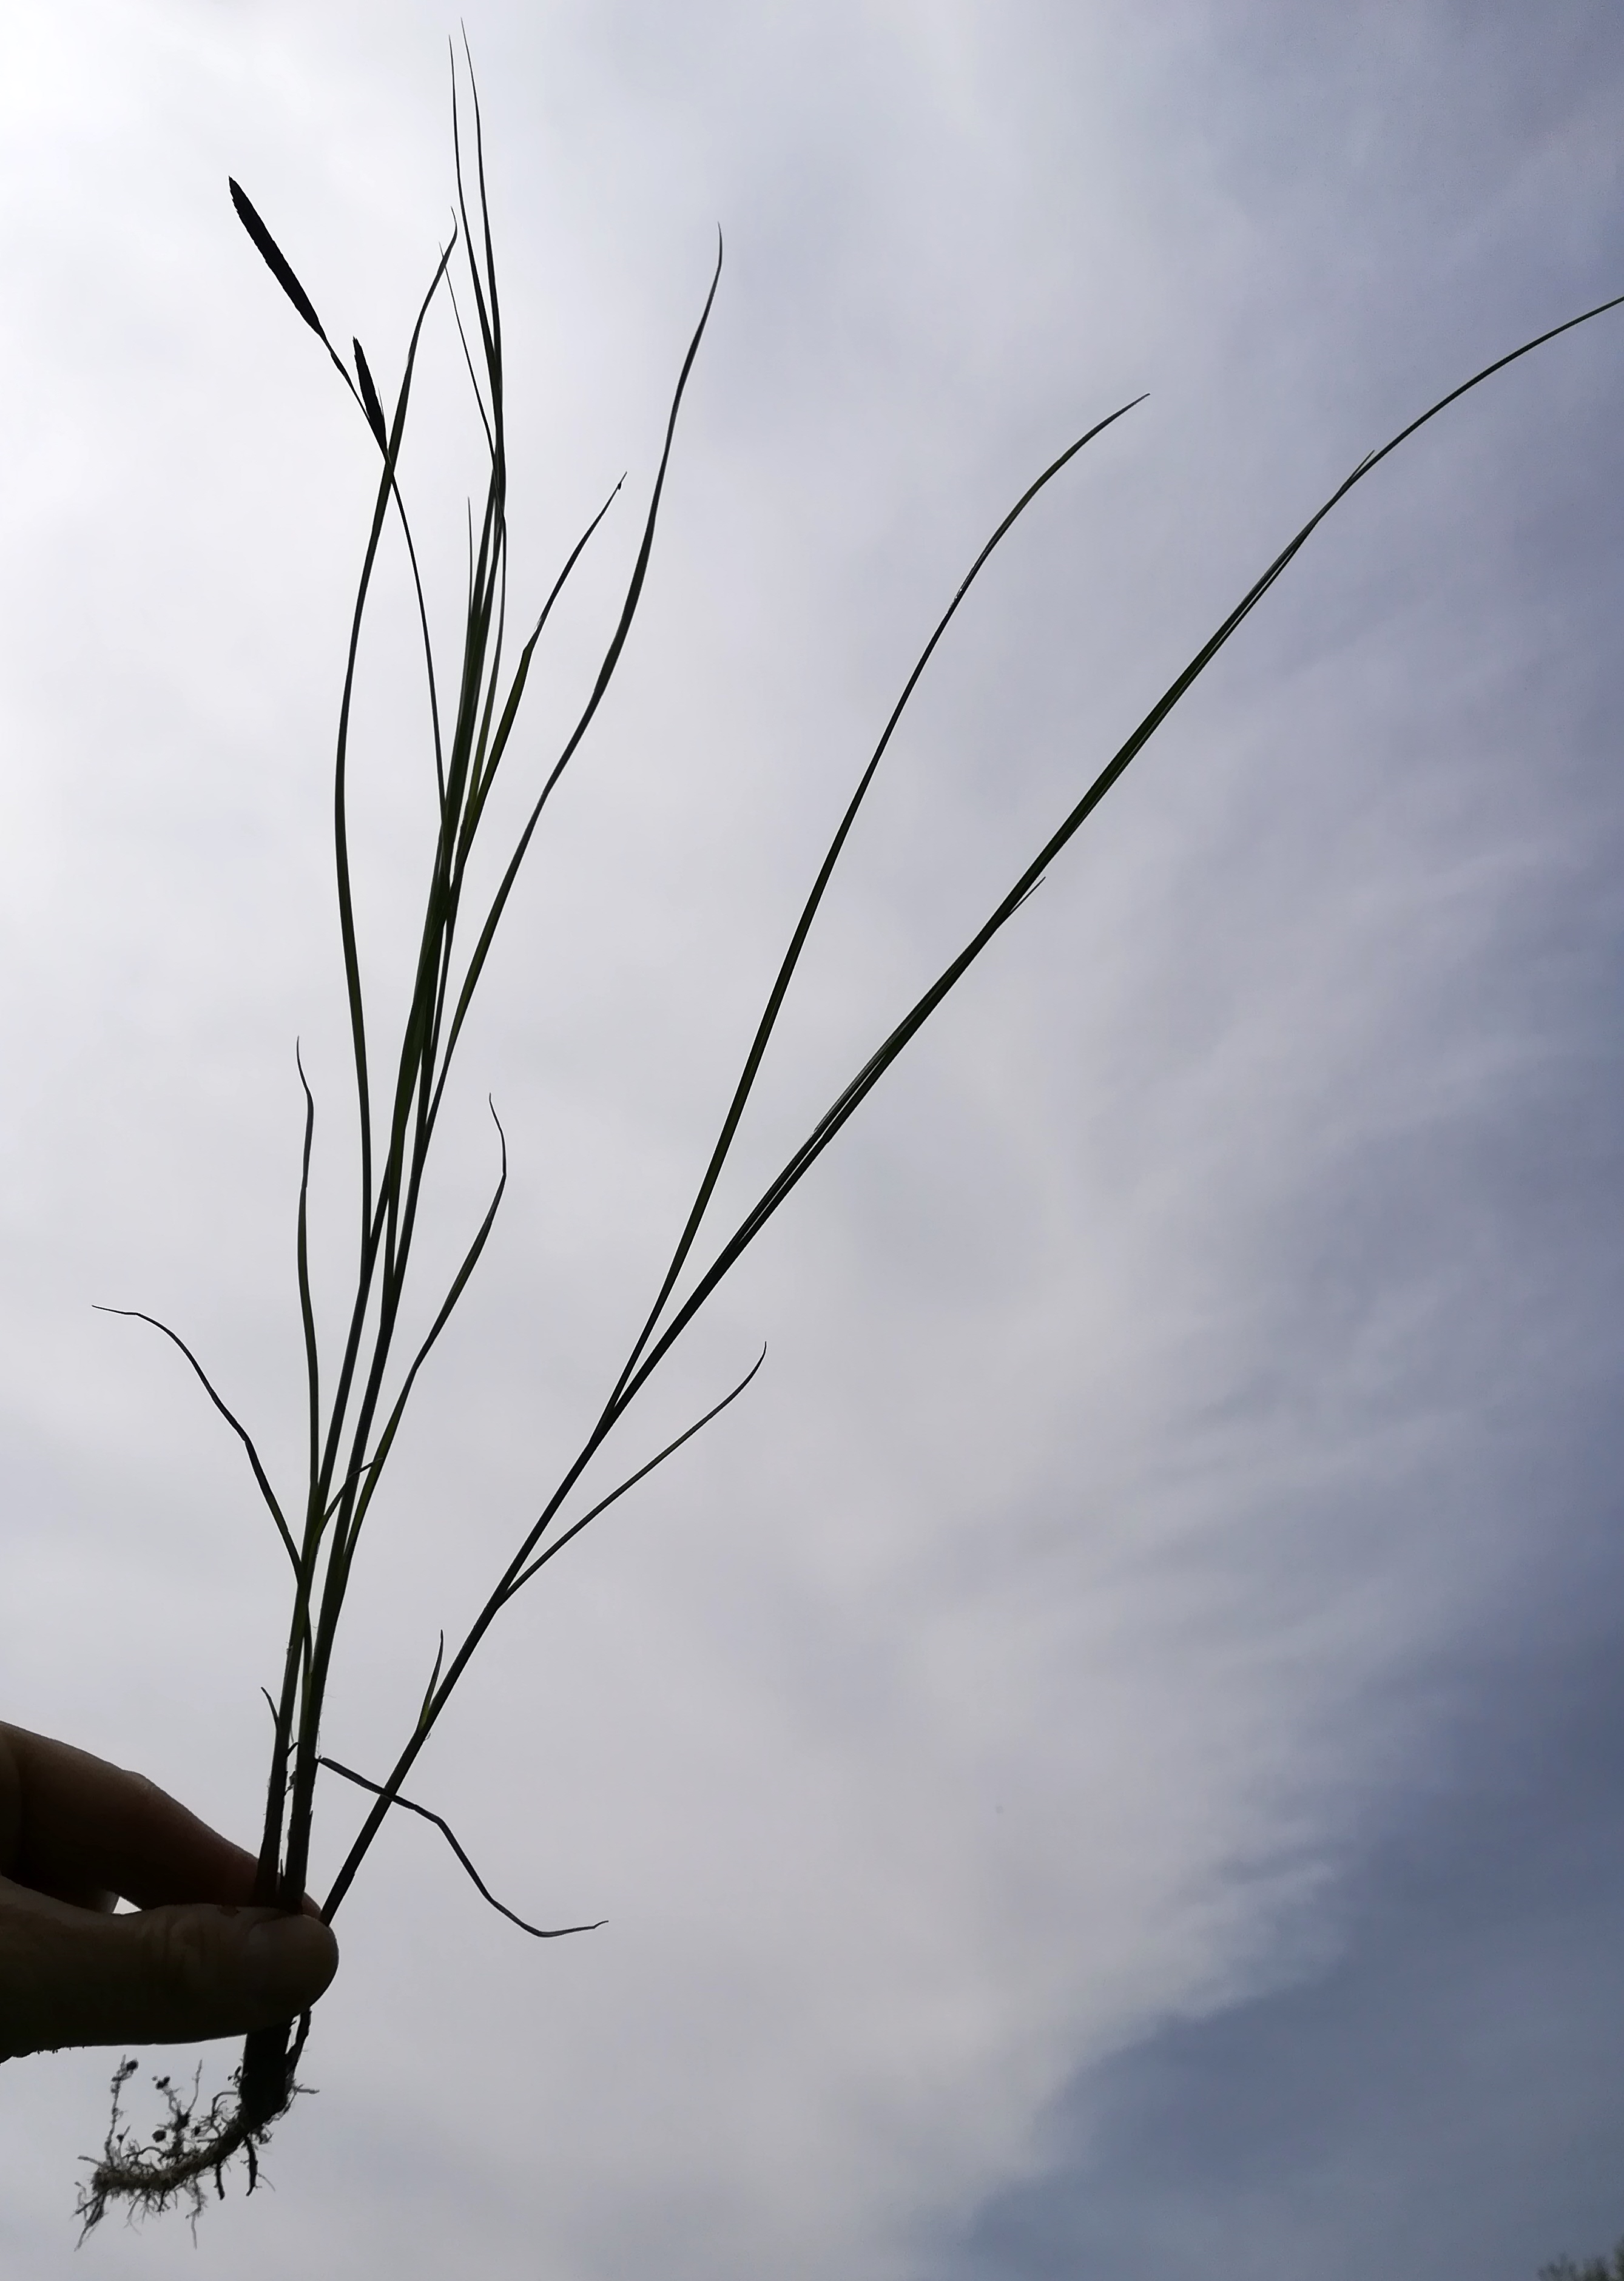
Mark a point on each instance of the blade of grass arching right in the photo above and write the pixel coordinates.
(803, 926)
(389, 1793)
(540, 1932)
(830, 1123)
(524, 1561)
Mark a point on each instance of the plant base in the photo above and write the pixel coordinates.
(195, 2144)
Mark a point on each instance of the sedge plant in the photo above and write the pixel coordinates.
(359, 1373)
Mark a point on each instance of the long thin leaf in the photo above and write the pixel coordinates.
(375, 1466)
(803, 926)
(369, 398)
(434, 1701)
(540, 1932)
(881, 1060)
(135, 1315)
(276, 261)
(631, 1481)
(606, 674)
(307, 1316)
(525, 1563)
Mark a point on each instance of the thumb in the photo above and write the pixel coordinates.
(178, 1973)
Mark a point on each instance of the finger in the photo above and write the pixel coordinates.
(77, 1826)
(178, 1973)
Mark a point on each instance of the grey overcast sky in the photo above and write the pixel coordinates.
(1108, 1762)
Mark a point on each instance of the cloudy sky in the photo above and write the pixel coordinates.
(1109, 1761)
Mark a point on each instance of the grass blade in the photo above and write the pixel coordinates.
(136, 1315)
(874, 1069)
(435, 1703)
(369, 397)
(606, 674)
(631, 1481)
(276, 261)
(539, 1932)
(803, 926)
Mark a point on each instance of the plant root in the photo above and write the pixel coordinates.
(196, 2143)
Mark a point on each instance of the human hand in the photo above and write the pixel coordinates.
(194, 1961)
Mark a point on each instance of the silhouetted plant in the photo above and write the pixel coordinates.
(355, 1407)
